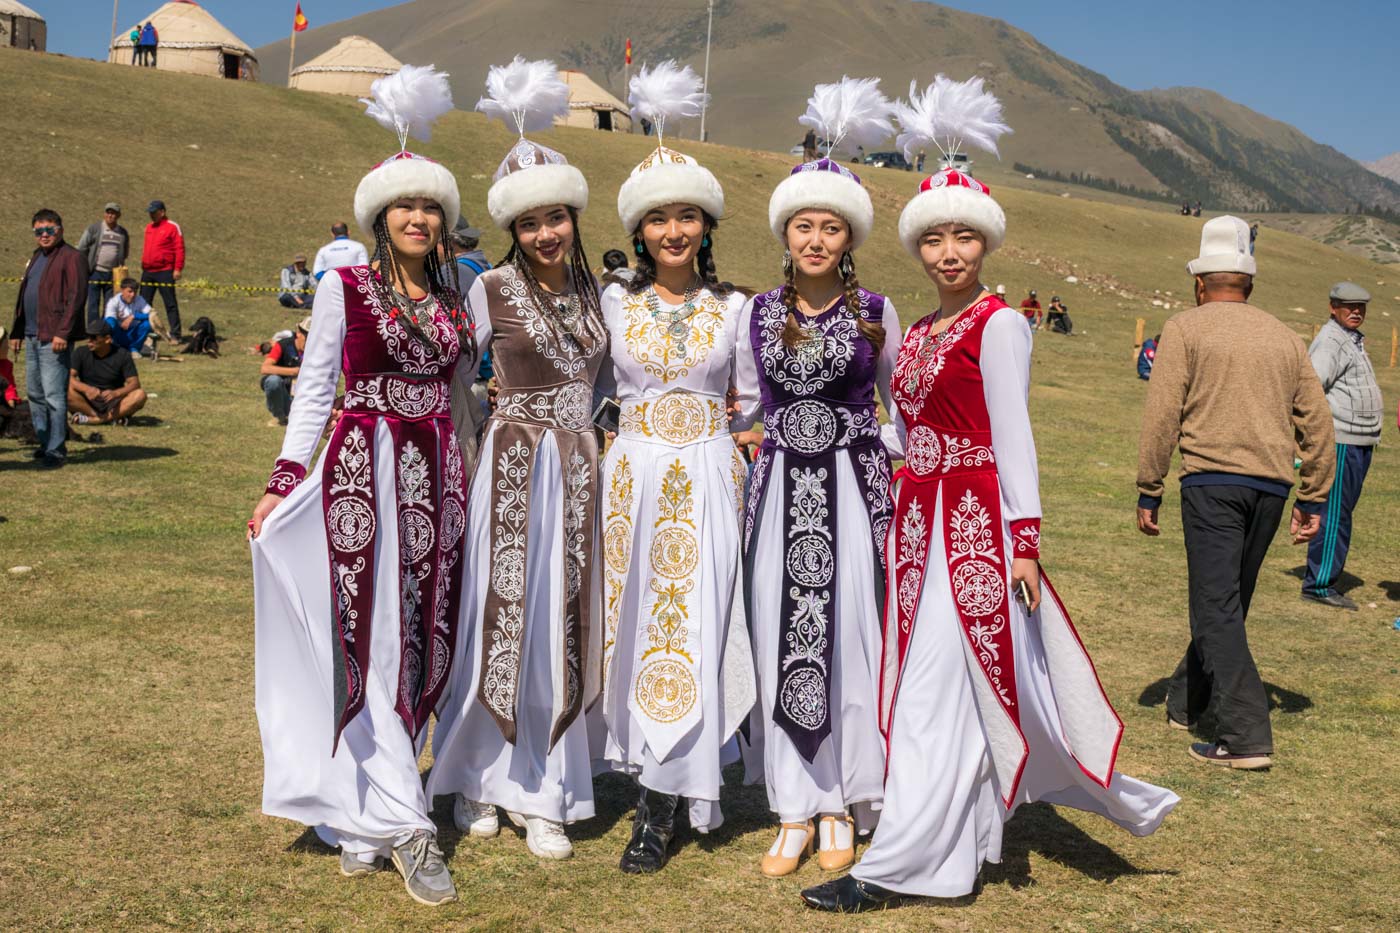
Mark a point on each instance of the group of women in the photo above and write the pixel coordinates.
(878, 647)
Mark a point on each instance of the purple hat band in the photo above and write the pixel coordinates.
(827, 165)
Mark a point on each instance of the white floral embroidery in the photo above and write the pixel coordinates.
(350, 472)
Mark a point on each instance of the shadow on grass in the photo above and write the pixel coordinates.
(121, 453)
(1392, 589)
(1345, 583)
(1280, 698)
(1039, 828)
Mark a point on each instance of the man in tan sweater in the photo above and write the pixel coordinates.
(1234, 388)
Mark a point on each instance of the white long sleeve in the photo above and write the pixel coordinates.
(319, 373)
(467, 417)
(745, 374)
(892, 432)
(1006, 376)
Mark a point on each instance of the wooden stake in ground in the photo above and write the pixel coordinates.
(1138, 336)
(1394, 344)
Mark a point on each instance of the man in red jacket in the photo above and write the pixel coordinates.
(162, 263)
(49, 317)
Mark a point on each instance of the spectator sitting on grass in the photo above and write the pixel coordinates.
(102, 385)
(280, 368)
(130, 317)
(298, 285)
(1147, 356)
(1057, 317)
(615, 269)
(9, 395)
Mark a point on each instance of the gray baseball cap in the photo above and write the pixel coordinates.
(113, 206)
(1349, 293)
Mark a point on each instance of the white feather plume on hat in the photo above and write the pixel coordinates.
(850, 114)
(528, 95)
(948, 115)
(666, 91)
(407, 103)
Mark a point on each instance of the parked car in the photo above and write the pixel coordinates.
(888, 160)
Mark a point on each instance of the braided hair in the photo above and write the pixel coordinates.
(645, 275)
(792, 331)
(580, 276)
(442, 279)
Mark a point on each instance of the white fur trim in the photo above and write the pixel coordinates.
(668, 183)
(537, 186)
(937, 206)
(406, 178)
(824, 191)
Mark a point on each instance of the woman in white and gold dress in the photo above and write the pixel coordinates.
(677, 668)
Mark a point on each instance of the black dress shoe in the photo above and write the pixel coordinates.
(653, 828)
(847, 895)
(1334, 599)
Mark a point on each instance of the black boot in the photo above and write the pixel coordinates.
(848, 896)
(652, 830)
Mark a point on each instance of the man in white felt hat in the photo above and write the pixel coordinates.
(1234, 388)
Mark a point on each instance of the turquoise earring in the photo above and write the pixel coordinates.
(640, 249)
(705, 243)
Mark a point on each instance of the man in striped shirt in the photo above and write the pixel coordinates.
(1338, 354)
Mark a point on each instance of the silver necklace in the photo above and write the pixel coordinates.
(674, 322)
(937, 339)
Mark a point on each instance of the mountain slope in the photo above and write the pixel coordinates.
(1388, 166)
(1186, 143)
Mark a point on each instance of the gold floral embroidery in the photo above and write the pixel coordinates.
(652, 347)
(665, 687)
(617, 553)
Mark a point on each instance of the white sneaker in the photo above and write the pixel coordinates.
(476, 818)
(545, 838)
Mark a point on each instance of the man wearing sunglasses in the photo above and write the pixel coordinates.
(48, 317)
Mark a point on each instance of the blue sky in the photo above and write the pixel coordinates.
(1332, 70)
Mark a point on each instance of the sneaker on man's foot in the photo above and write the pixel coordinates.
(1222, 757)
(1333, 598)
(476, 818)
(51, 462)
(545, 838)
(425, 875)
(352, 866)
(1177, 724)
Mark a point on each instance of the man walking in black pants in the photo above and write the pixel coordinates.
(162, 263)
(1234, 387)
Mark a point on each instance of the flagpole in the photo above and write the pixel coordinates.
(292, 57)
(112, 38)
(706, 81)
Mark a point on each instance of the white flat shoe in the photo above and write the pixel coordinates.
(545, 838)
(475, 818)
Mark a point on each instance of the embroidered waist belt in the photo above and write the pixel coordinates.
(397, 395)
(811, 426)
(676, 418)
(568, 407)
(932, 453)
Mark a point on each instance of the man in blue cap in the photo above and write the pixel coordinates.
(1338, 353)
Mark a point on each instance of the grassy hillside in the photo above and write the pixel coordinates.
(131, 771)
(1068, 118)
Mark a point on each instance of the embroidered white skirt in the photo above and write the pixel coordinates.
(849, 767)
(470, 755)
(943, 815)
(369, 793)
(676, 651)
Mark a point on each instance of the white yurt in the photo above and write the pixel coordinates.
(591, 107)
(349, 67)
(21, 27)
(190, 40)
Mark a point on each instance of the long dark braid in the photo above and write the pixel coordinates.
(792, 331)
(441, 285)
(645, 275)
(581, 277)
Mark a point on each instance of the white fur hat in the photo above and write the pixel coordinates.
(1224, 247)
(947, 197)
(533, 176)
(823, 185)
(406, 175)
(667, 177)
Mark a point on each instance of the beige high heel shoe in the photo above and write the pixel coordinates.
(775, 864)
(831, 856)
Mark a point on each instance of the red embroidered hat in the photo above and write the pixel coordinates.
(947, 197)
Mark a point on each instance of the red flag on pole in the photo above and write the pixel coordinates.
(629, 51)
(299, 22)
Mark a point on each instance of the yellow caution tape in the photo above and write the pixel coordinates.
(208, 286)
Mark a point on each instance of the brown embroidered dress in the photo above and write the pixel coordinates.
(512, 733)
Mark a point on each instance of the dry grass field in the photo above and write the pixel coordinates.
(130, 774)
